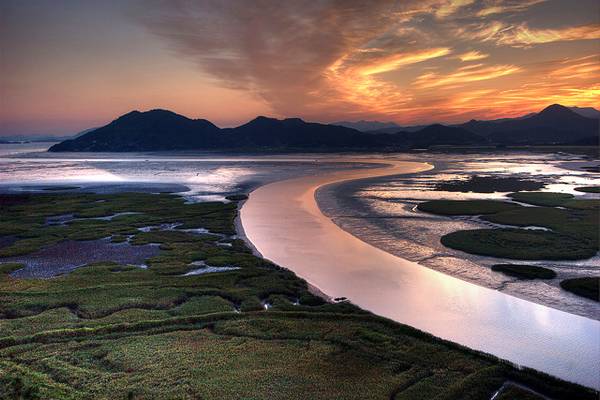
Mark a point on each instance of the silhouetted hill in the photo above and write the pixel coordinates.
(366, 126)
(164, 130)
(160, 130)
(438, 135)
(146, 131)
(412, 128)
(263, 132)
(555, 124)
(586, 141)
(83, 132)
(588, 112)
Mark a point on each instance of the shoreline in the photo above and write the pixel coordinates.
(312, 287)
(283, 202)
(239, 229)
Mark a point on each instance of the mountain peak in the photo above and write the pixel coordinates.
(295, 120)
(436, 126)
(556, 109)
(261, 119)
(130, 114)
(156, 113)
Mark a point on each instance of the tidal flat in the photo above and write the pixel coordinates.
(389, 213)
(112, 330)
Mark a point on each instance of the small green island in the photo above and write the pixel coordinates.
(549, 226)
(566, 233)
(525, 271)
(588, 189)
(200, 316)
(489, 184)
(586, 287)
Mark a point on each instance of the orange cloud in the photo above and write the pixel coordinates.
(504, 7)
(451, 7)
(357, 81)
(471, 73)
(585, 67)
(472, 56)
(531, 90)
(396, 61)
(473, 92)
(523, 36)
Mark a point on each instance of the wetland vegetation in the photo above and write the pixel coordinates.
(586, 287)
(110, 330)
(489, 184)
(561, 227)
(588, 189)
(525, 271)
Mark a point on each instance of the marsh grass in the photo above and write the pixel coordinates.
(113, 331)
(489, 184)
(588, 189)
(525, 271)
(588, 287)
(573, 229)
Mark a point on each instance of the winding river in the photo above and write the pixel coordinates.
(283, 221)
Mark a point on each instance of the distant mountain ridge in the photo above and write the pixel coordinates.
(437, 134)
(162, 130)
(588, 112)
(555, 124)
(366, 126)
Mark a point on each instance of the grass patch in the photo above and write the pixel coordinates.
(572, 230)
(237, 197)
(552, 199)
(548, 199)
(524, 271)
(518, 244)
(489, 184)
(60, 188)
(461, 207)
(588, 287)
(588, 189)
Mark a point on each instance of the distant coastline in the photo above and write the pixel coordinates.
(162, 130)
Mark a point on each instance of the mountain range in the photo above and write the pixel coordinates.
(368, 126)
(162, 130)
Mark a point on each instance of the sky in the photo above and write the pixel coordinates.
(66, 66)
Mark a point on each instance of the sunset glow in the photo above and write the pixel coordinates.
(411, 62)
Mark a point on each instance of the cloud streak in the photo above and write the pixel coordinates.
(464, 75)
(496, 7)
(472, 56)
(523, 36)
